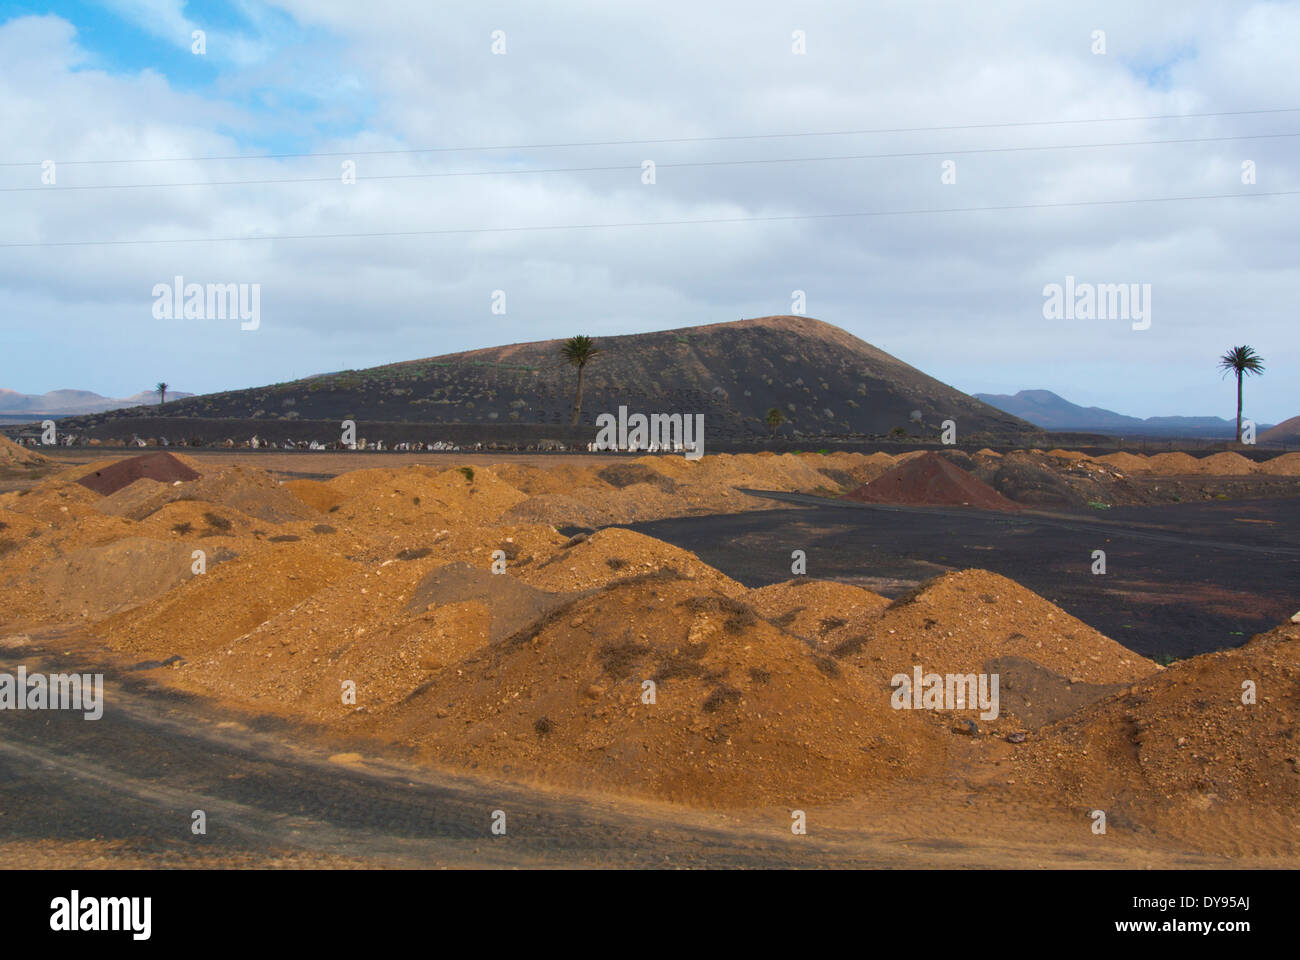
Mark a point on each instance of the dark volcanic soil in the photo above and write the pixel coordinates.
(1181, 579)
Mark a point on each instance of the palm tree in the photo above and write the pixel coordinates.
(578, 352)
(161, 389)
(1241, 360)
(774, 419)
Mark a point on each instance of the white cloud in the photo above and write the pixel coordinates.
(958, 295)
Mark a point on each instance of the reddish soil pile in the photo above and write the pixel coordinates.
(162, 467)
(929, 479)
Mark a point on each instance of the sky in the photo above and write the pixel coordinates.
(921, 171)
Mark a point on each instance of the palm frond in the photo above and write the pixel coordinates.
(1241, 360)
(579, 351)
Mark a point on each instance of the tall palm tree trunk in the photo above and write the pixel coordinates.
(1239, 378)
(577, 400)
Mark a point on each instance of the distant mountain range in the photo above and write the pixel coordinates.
(65, 403)
(1051, 412)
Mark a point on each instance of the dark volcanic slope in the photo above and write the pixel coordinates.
(824, 380)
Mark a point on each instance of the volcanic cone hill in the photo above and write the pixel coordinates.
(824, 380)
(1288, 431)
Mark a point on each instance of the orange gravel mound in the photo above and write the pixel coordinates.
(615, 554)
(743, 713)
(94, 581)
(1127, 462)
(1193, 710)
(383, 579)
(1173, 464)
(1180, 749)
(230, 599)
(15, 455)
(1226, 464)
(1067, 454)
(554, 508)
(561, 478)
(379, 630)
(824, 612)
(959, 621)
(136, 500)
(319, 496)
(250, 492)
(1285, 465)
(195, 518)
(421, 496)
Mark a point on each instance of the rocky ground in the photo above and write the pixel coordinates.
(486, 618)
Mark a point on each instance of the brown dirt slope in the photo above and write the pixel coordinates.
(742, 713)
(833, 616)
(93, 582)
(1181, 749)
(959, 621)
(1286, 465)
(13, 455)
(227, 601)
(513, 604)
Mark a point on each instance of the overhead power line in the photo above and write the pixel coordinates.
(626, 167)
(648, 223)
(657, 140)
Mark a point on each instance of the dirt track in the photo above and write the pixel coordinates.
(120, 791)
